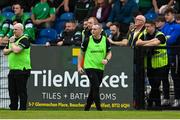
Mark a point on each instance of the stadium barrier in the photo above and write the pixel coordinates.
(55, 82)
(143, 71)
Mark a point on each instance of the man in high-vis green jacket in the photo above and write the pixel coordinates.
(18, 51)
(96, 52)
(156, 62)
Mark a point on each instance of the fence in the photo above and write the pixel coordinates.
(121, 63)
(4, 96)
(160, 77)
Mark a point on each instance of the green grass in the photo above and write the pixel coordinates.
(72, 114)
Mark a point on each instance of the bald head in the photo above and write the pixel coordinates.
(19, 26)
(141, 17)
(18, 29)
(140, 21)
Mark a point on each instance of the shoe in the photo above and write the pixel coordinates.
(157, 103)
(22, 108)
(99, 109)
(87, 108)
(13, 107)
(149, 103)
(175, 103)
(165, 102)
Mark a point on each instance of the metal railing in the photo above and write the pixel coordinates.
(142, 87)
(4, 95)
(141, 90)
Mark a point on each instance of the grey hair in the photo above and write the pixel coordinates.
(20, 26)
(100, 25)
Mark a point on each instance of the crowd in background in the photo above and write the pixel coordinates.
(38, 15)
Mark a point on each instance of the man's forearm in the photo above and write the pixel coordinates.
(109, 56)
(80, 58)
(6, 51)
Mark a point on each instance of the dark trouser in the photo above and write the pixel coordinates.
(95, 76)
(175, 73)
(155, 76)
(165, 81)
(17, 82)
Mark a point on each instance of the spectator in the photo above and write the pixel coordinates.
(101, 11)
(171, 30)
(157, 61)
(70, 36)
(160, 22)
(4, 3)
(43, 14)
(63, 6)
(116, 38)
(87, 32)
(83, 9)
(27, 4)
(177, 5)
(122, 12)
(145, 6)
(178, 18)
(5, 27)
(161, 5)
(23, 18)
(170, 21)
(85, 24)
(136, 30)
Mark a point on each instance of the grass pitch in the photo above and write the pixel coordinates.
(72, 114)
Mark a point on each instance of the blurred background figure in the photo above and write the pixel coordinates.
(136, 30)
(63, 6)
(70, 36)
(122, 12)
(160, 22)
(87, 32)
(4, 29)
(161, 5)
(178, 18)
(85, 24)
(116, 37)
(43, 14)
(25, 19)
(144, 6)
(171, 31)
(101, 11)
(83, 9)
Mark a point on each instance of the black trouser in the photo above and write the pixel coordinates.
(155, 76)
(17, 82)
(165, 81)
(175, 73)
(95, 76)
